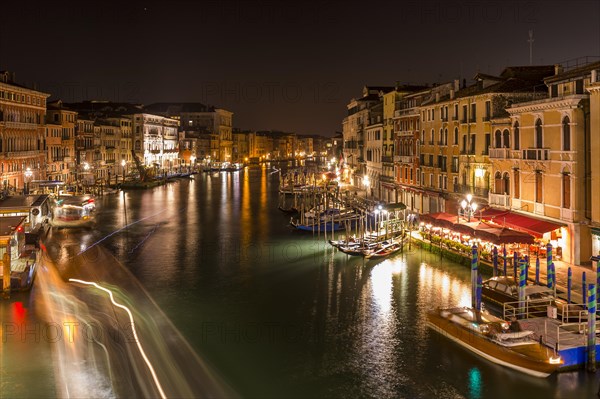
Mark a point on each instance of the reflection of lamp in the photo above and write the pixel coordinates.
(469, 208)
(123, 163)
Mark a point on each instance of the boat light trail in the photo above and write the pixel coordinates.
(137, 341)
(121, 229)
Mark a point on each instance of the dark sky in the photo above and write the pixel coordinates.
(286, 65)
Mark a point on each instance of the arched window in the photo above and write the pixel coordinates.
(517, 180)
(441, 138)
(538, 134)
(506, 138)
(566, 134)
(516, 141)
(566, 190)
(506, 183)
(497, 139)
(446, 134)
(432, 138)
(498, 189)
(455, 136)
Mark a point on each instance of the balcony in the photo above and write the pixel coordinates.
(386, 179)
(499, 153)
(476, 191)
(455, 118)
(405, 158)
(444, 119)
(499, 199)
(22, 125)
(536, 154)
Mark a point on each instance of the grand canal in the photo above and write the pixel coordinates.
(274, 312)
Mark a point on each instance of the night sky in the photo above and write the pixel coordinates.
(289, 66)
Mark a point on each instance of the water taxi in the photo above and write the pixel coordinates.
(73, 211)
(495, 339)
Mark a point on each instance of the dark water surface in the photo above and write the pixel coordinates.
(277, 313)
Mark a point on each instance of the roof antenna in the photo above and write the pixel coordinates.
(530, 41)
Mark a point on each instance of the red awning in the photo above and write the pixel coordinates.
(530, 225)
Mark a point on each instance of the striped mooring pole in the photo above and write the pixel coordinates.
(522, 284)
(591, 338)
(474, 276)
(537, 271)
(549, 267)
(584, 288)
(495, 260)
(569, 284)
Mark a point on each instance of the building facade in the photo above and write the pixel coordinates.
(22, 134)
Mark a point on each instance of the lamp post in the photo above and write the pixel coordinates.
(28, 174)
(123, 163)
(86, 168)
(468, 206)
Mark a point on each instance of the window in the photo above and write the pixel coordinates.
(488, 110)
(566, 134)
(431, 139)
(538, 187)
(446, 137)
(464, 144)
(472, 145)
(473, 117)
(506, 185)
(579, 86)
(464, 112)
(497, 139)
(488, 139)
(538, 134)
(506, 138)
(566, 190)
(516, 140)
(516, 179)
(456, 114)
(554, 91)
(455, 164)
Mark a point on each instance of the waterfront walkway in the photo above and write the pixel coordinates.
(562, 270)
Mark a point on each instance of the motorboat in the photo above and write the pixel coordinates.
(495, 339)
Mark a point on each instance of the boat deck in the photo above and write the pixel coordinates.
(554, 334)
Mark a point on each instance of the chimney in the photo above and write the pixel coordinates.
(594, 76)
(456, 84)
(558, 69)
(451, 94)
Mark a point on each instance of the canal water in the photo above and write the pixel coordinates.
(278, 313)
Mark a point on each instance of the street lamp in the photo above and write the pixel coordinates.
(123, 163)
(28, 174)
(468, 206)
